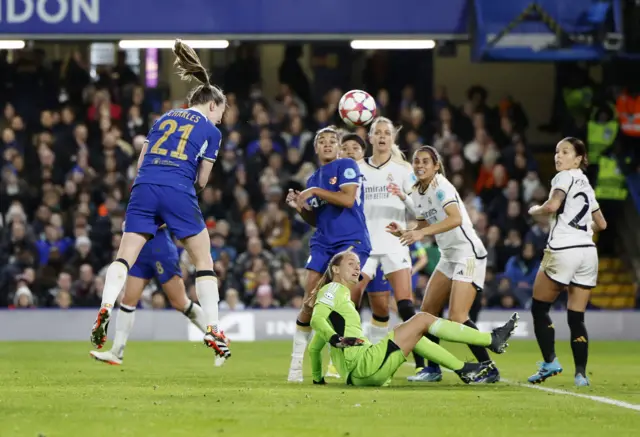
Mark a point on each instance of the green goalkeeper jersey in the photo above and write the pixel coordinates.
(335, 313)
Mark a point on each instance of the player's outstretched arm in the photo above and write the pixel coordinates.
(599, 223)
(324, 331)
(396, 190)
(143, 152)
(308, 215)
(421, 224)
(315, 353)
(394, 228)
(320, 322)
(204, 171)
(344, 198)
(550, 206)
(453, 220)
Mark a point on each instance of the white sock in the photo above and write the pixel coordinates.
(377, 331)
(114, 280)
(208, 296)
(300, 340)
(124, 325)
(195, 313)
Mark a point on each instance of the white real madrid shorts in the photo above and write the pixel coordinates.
(469, 269)
(575, 266)
(390, 262)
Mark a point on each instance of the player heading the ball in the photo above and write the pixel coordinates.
(175, 162)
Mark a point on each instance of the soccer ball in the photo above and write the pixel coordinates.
(357, 108)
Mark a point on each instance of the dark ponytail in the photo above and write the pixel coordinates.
(581, 150)
(435, 157)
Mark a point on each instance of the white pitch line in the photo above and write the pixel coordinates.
(558, 391)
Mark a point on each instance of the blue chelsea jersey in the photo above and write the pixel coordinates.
(336, 225)
(177, 142)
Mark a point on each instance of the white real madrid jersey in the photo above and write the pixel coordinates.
(380, 206)
(460, 242)
(571, 224)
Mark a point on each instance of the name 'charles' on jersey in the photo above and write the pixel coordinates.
(571, 224)
(177, 142)
(460, 242)
(336, 225)
(381, 207)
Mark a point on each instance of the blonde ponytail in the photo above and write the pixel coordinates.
(189, 67)
(309, 302)
(398, 156)
(188, 63)
(326, 278)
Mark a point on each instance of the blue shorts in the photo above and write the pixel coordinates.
(158, 258)
(161, 267)
(320, 257)
(153, 205)
(378, 283)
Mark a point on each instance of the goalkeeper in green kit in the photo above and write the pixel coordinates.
(337, 322)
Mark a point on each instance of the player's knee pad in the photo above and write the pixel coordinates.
(127, 308)
(124, 262)
(205, 274)
(380, 319)
(406, 309)
(186, 310)
(540, 309)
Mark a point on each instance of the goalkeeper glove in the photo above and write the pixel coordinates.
(343, 342)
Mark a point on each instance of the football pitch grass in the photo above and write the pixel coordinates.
(172, 389)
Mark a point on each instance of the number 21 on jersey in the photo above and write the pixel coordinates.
(169, 127)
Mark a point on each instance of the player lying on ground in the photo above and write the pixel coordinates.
(570, 260)
(352, 146)
(159, 258)
(337, 322)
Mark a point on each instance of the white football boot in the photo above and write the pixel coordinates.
(295, 370)
(107, 357)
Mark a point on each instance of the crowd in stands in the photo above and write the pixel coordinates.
(69, 145)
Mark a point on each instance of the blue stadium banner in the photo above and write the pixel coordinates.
(311, 19)
(543, 30)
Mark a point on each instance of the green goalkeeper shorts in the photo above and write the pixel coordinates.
(377, 365)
